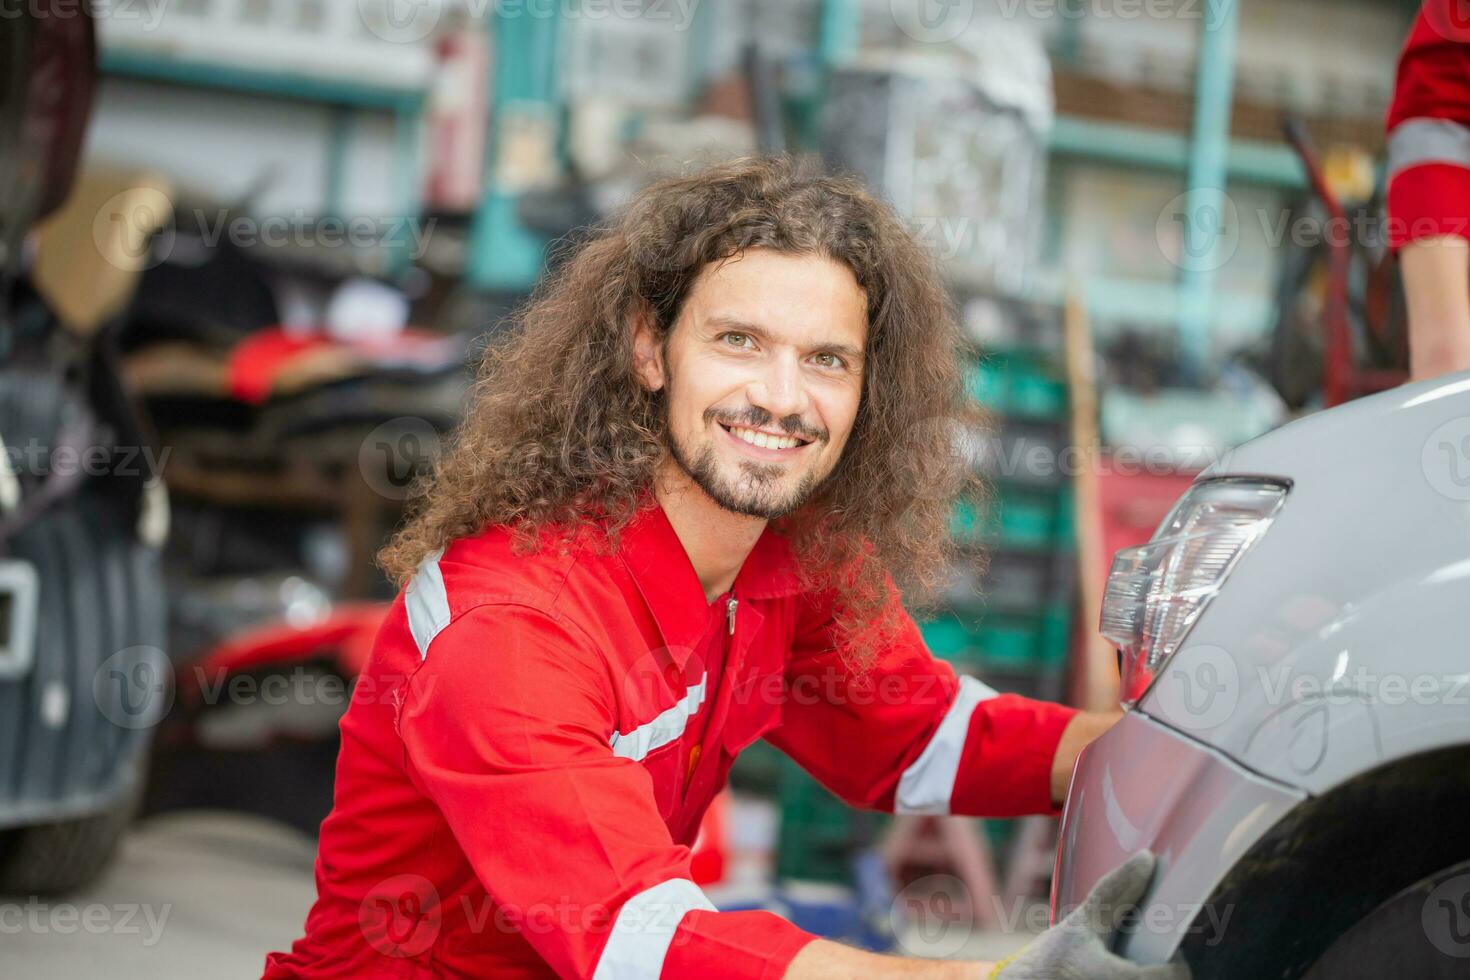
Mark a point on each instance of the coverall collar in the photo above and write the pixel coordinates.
(658, 563)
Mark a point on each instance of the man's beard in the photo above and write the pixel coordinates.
(757, 493)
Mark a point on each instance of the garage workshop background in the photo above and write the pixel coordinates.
(296, 222)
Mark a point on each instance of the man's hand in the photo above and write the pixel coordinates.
(1074, 949)
(1077, 947)
(1081, 730)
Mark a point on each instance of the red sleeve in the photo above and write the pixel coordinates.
(506, 726)
(910, 736)
(1429, 128)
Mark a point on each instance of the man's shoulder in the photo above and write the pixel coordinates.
(490, 568)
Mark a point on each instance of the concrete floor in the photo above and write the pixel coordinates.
(208, 894)
(191, 895)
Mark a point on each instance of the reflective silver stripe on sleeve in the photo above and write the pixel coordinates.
(667, 727)
(1418, 141)
(644, 929)
(926, 786)
(427, 603)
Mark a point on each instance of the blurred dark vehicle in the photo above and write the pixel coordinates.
(82, 516)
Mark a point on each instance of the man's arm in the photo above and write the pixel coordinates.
(1080, 731)
(1437, 288)
(823, 960)
(1429, 188)
(910, 736)
(1078, 946)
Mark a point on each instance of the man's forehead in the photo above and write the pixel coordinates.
(795, 299)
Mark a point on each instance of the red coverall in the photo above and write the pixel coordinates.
(1429, 128)
(529, 751)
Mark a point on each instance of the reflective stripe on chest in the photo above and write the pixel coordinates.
(668, 727)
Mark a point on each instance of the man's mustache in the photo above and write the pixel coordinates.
(763, 420)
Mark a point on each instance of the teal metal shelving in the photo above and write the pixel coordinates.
(1208, 153)
(1208, 158)
(503, 254)
(295, 86)
(1154, 303)
(1247, 161)
(345, 97)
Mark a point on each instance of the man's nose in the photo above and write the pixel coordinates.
(780, 389)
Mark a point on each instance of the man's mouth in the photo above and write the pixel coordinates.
(762, 440)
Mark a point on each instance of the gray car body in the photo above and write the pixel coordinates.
(1336, 645)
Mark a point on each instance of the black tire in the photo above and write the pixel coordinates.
(110, 600)
(1422, 932)
(62, 857)
(101, 592)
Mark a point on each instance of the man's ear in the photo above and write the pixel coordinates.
(647, 354)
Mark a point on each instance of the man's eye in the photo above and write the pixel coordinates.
(737, 339)
(834, 362)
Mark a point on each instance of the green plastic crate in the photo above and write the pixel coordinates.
(971, 525)
(1005, 641)
(1008, 640)
(1056, 635)
(1000, 832)
(758, 769)
(1037, 396)
(819, 833)
(1018, 383)
(1028, 517)
(1016, 517)
(1067, 518)
(947, 638)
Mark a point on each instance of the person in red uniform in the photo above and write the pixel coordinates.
(1429, 186)
(672, 523)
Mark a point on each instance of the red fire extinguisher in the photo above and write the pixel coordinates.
(455, 120)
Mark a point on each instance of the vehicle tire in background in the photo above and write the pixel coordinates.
(73, 767)
(61, 857)
(1423, 932)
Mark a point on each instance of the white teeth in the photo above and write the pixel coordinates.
(764, 440)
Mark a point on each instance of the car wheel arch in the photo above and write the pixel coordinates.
(1338, 854)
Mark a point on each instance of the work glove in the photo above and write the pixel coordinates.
(1077, 947)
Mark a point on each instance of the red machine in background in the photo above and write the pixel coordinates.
(1341, 327)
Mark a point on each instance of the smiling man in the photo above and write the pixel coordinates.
(673, 522)
(790, 327)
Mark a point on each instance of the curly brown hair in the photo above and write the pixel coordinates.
(559, 428)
